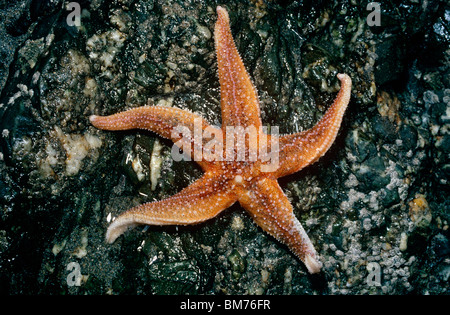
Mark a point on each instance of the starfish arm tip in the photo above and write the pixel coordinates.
(222, 15)
(220, 10)
(312, 263)
(344, 78)
(118, 227)
(93, 118)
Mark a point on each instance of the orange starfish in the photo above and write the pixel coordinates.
(227, 178)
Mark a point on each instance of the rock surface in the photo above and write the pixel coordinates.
(376, 205)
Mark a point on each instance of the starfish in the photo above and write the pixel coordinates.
(227, 179)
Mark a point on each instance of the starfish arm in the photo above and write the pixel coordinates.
(304, 148)
(239, 99)
(168, 122)
(272, 211)
(202, 200)
(159, 119)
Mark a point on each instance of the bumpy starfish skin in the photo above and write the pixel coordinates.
(229, 180)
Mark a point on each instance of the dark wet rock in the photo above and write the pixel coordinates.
(440, 245)
(373, 176)
(408, 136)
(379, 196)
(237, 264)
(384, 129)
